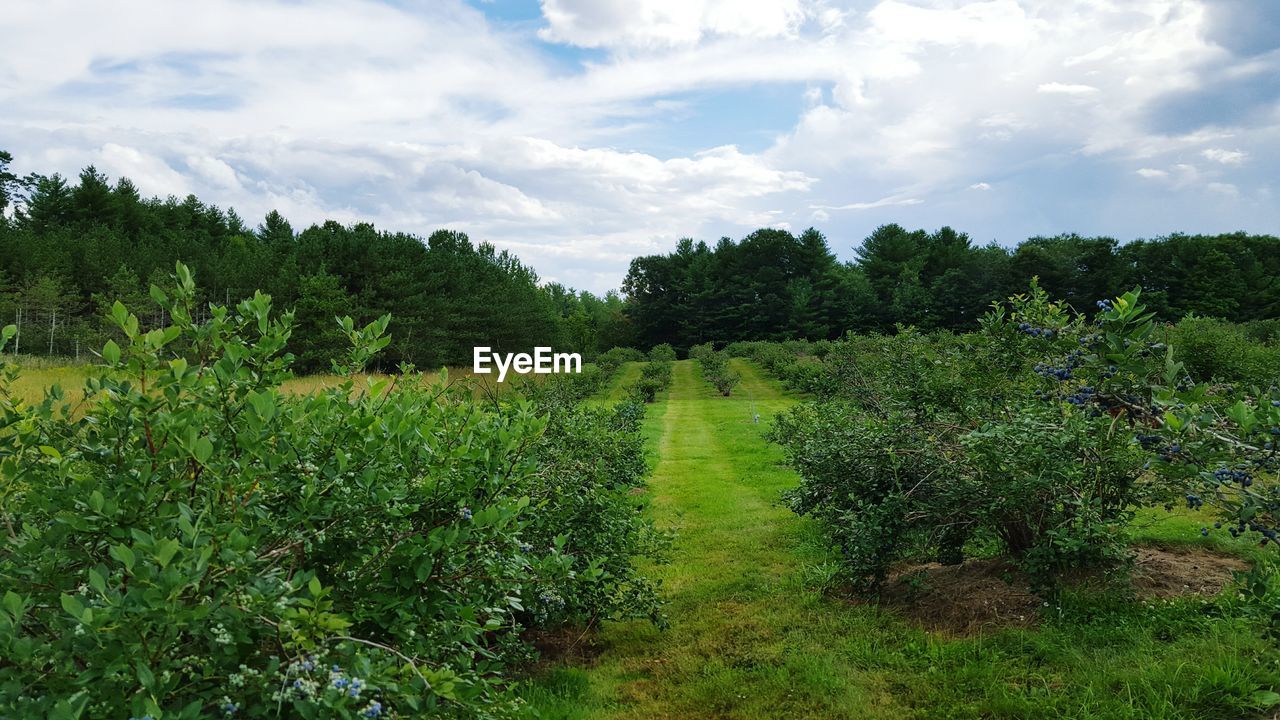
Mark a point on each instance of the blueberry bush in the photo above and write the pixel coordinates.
(1215, 350)
(655, 376)
(1042, 433)
(662, 353)
(798, 364)
(715, 368)
(612, 359)
(190, 542)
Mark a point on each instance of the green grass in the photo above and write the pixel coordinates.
(616, 390)
(36, 376)
(752, 635)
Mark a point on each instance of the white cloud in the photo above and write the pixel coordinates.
(666, 23)
(1057, 88)
(996, 22)
(1226, 157)
(889, 201)
(214, 171)
(147, 171)
(417, 116)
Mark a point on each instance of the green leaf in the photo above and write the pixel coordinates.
(263, 405)
(51, 452)
(73, 606)
(165, 550)
(13, 603)
(96, 501)
(1242, 415)
(145, 676)
(203, 450)
(124, 555)
(111, 352)
(70, 708)
(315, 587)
(97, 582)
(119, 313)
(1266, 698)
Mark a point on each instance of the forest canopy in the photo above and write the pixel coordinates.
(773, 285)
(71, 249)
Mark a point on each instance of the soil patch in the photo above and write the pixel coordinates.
(575, 646)
(986, 595)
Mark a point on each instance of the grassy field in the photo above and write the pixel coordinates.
(754, 634)
(625, 377)
(38, 375)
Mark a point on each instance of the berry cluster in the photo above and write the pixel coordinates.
(1033, 331)
(1081, 396)
(1061, 373)
(1268, 534)
(1227, 476)
(1170, 452)
(1148, 442)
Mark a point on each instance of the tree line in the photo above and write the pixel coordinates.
(68, 249)
(773, 285)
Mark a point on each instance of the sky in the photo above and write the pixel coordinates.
(582, 133)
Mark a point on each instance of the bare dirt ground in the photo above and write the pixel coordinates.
(991, 594)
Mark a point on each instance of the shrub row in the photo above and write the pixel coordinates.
(715, 368)
(798, 364)
(1042, 433)
(1216, 350)
(655, 376)
(194, 543)
(614, 358)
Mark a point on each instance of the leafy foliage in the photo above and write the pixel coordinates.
(715, 368)
(195, 543)
(1042, 432)
(655, 376)
(775, 286)
(612, 359)
(1217, 350)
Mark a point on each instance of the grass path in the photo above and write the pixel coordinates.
(744, 641)
(626, 376)
(752, 635)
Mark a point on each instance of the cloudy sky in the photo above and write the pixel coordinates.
(580, 133)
